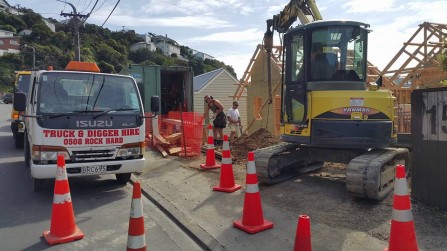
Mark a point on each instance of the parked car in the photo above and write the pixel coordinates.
(7, 98)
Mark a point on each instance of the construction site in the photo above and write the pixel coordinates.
(327, 150)
(331, 145)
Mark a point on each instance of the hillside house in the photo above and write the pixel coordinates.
(8, 42)
(167, 48)
(221, 85)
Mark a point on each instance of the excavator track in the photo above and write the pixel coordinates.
(283, 161)
(371, 175)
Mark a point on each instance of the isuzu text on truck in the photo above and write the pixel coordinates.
(95, 120)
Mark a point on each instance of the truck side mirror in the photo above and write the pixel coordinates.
(155, 107)
(19, 101)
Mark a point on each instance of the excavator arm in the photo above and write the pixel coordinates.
(305, 10)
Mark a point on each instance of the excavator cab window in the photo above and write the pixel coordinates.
(337, 54)
(294, 91)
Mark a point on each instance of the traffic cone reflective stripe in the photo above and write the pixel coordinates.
(61, 198)
(136, 243)
(210, 131)
(227, 183)
(402, 233)
(210, 155)
(136, 239)
(303, 236)
(252, 216)
(252, 188)
(63, 228)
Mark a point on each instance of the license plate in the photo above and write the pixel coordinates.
(94, 169)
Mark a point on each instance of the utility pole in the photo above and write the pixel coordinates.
(34, 55)
(76, 22)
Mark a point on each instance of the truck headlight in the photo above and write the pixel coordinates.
(48, 153)
(131, 150)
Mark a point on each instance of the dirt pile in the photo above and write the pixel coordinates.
(259, 139)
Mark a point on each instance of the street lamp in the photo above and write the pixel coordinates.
(34, 55)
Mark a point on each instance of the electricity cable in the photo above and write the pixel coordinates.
(111, 12)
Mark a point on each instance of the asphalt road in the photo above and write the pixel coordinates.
(101, 208)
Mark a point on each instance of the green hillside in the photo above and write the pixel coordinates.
(109, 49)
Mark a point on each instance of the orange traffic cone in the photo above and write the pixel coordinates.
(227, 183)
(402, 233)
(136, 238)
(63, 228)
(252, 217)
(302, 239)
(210, 156)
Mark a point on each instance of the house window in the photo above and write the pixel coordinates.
(13, 42)
(1, 42)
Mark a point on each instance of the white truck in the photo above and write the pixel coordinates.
(95, 120)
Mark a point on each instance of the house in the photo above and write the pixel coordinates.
(140, 45)
(167, 48)
(25, 32)
(221, 85)
(147, 43)
(261, 112)
(200, 55)
(8, 42)
(5, 7)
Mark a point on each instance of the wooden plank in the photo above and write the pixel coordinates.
(173, 137)
(161, 140)
(162, 151)
(174, 150)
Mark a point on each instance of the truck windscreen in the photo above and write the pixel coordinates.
(23, 82)
(67, 92)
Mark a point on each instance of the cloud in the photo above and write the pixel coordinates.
(368, 6)
(239, 62)
(191, 7)
(202, 22)
(234, 37)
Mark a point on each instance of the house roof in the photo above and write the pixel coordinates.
(201, 80)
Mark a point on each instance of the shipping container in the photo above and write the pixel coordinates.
(173, 84)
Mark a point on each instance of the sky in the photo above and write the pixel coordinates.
(230, 30)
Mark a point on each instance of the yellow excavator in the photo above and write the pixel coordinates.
(329, 112)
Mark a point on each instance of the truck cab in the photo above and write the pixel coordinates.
(21, 84)
(95, 120)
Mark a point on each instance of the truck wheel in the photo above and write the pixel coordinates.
(19, 140)
(123, 178)
(27, 152)
(38, 185)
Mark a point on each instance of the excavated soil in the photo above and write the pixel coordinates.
(259, 139)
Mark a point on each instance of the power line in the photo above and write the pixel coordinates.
(90, 12)
(100, 6)
(86, 7)
(111, 12)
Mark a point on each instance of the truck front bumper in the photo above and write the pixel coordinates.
(76, 169)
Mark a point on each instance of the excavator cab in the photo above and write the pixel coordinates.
(323, 55)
